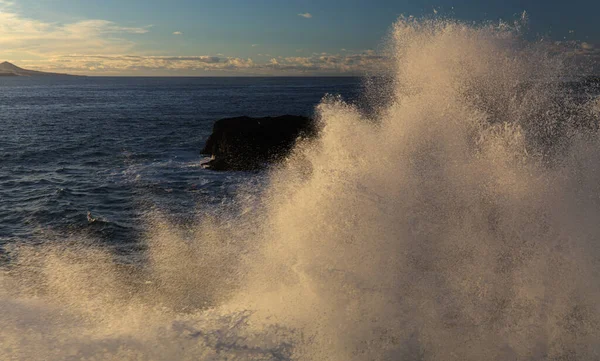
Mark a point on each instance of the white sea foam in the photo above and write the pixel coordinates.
(457, 222)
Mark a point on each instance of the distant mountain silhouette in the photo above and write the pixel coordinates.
(9, 69)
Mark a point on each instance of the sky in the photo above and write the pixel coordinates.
(248, 37)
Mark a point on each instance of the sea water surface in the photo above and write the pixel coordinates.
(119, 147)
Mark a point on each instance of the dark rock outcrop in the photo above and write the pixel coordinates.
(244, 143)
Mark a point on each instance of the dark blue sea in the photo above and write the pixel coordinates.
(122, 147)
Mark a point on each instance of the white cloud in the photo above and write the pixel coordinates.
(23, 35)
(331, 64)
(587, 46)
(255, 45)
(203, 64)
(579, 53)
(576, 48)
(305, 15)
(177, 33)
(115, 64)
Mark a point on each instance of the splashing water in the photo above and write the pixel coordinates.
(458, 221)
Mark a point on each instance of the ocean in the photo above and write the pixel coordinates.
(447, 210)
(119, 147)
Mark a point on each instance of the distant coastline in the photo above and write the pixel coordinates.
(10, 70)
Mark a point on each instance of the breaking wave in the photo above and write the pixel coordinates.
(456, 220)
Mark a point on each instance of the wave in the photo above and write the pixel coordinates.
(456, 220)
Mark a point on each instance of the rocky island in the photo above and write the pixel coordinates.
(245, 143)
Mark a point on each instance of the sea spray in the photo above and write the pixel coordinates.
(456, 221)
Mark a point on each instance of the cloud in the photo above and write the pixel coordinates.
(102, 47)
(589, 53)
(23, 35)
(115, 64)
(575, 48)
(587, 46)
(305, 15)
(206, 64)
(255, 45)
(584, 55)
(330, 64)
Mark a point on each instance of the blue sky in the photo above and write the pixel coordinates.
(229, 37)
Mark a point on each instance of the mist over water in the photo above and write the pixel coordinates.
(458, 220)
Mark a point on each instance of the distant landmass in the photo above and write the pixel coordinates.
(9, 69)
